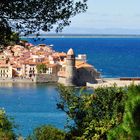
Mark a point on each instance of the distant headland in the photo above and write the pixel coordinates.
(82, 36)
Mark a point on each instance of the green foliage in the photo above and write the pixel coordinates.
(47, 133)
(41, 68)
(29, 16)
(129, 129)
(6, 127)
(8, 38)
(93, 114)
(32, 16)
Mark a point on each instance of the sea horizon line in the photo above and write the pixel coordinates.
(82, 36)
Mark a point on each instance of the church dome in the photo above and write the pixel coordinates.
(70, 52)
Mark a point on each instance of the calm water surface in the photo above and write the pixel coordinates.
(31, 105)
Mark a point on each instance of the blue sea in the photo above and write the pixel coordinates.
(113, 57)
(32, 105)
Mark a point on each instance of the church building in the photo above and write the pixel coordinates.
(77, 73)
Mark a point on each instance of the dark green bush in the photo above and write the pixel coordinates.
(6, 127)
(129, 129)
(93, 114)
(47, 133)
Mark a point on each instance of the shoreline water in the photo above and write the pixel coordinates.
(120, 82)
(17, 80)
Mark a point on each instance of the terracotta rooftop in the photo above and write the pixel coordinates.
(16, 66)
(62, 54)
(4, 66)
(80, 64)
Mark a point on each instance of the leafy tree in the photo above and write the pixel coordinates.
(7, 37)
(41, 68)
(129, 129)
(93, 114)
(6, 127)
(31, 16)
(47, 133)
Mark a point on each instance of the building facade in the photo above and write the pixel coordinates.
(6, 71)
(77, 73)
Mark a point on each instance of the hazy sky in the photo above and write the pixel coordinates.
(108, 16)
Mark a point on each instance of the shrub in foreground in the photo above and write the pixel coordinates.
(6, 127)
(47, 132)
(93, 114)
(129, 129)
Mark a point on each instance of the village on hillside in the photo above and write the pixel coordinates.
(43, 64)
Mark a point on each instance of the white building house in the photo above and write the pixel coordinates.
(29, 70)
(5, 71)
(81, 57)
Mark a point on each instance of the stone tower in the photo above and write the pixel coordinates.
(70, 68)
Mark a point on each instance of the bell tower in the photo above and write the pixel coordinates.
(70, 68)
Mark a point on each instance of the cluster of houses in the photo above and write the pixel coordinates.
(20, 61)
